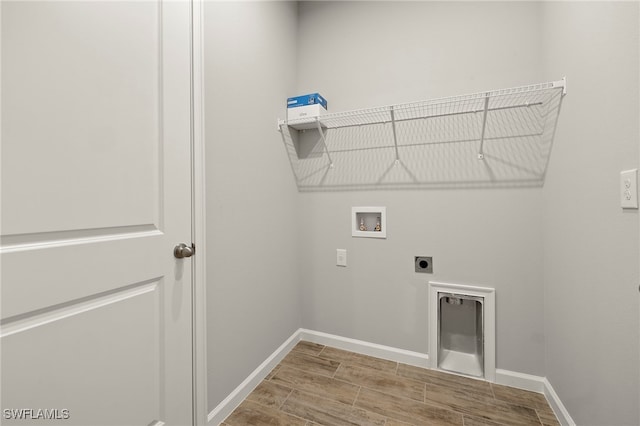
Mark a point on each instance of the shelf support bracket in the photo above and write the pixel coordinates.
(395, 139)
(324, 142)
(484, 126)
(561, 83)
(281, 124)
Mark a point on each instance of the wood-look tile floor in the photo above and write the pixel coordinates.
(321, 385)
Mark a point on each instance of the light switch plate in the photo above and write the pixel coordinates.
(629, 189)
(341, 257)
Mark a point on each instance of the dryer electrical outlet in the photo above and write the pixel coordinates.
(424, 264)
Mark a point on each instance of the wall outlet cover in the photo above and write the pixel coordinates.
(341, 257)
(629, 189)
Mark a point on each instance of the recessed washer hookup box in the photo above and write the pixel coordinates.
(306, 106)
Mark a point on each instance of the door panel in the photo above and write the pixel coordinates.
(82, 83)
(64, 274)
(51, 350)
(96, 191)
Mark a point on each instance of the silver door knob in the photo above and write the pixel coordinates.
(182, 250)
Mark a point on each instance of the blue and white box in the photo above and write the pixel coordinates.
(306, 106)
(304, 100)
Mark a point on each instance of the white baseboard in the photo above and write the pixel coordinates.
(226, 407)
(366, 348)
(520, 380)
(503, 377)
(536, 384)
(556, 405)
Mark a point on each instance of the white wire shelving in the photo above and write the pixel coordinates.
(486, 138)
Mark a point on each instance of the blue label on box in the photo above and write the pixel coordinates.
(304, 100)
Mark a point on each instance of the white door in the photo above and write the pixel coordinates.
(96, 310)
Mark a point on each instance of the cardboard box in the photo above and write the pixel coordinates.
(308, 111)
(306, 106)
(304, 100)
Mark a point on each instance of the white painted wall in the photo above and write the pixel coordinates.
(253, 281)
(591, 245)
(563, 265)
(365, 54)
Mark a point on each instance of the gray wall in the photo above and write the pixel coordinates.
(360, 55)
(591, 244)
(253, 282)
(563, 258)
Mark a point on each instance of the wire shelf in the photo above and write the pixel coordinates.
(482, 139)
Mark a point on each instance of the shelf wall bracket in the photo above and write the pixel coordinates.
(324, 142)
(484, 126)
(281, 124)
(395, 138)
(284, 140)
(561, 83)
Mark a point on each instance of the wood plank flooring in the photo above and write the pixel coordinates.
(320, 385)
